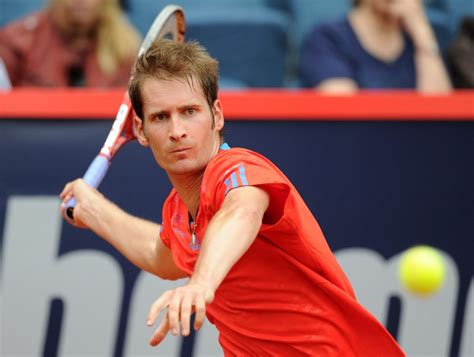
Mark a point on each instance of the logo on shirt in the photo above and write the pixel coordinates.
(236, 179)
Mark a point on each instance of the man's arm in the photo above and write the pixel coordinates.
(137, 239)
(230, 233)
(228, 236)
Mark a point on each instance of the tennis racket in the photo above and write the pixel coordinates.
(169, 23)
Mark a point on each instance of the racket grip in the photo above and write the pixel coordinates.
(93, 176)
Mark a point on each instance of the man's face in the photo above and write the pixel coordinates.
(178, 125)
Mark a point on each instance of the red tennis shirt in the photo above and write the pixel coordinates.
(287, 295)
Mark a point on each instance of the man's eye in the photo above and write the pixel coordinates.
(160, 116)
(190, 111)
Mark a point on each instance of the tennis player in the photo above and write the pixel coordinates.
(256, 260)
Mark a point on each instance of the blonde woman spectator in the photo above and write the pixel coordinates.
(70, 43)
(381, 44)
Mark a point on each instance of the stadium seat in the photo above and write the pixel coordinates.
(467, 7)
(441, 23)
(308, 13)
(137, 8)
(445, 16)
(14, 9)
(454, 9)
(249, 42)
(209, 4)
(250, 46)
(282, 5)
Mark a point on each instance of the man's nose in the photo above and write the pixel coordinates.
(177, 129)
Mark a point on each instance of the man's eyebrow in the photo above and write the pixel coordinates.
(190, 105)
(180, 108)
(156, 112)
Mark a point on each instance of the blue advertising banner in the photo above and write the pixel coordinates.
(376, 189)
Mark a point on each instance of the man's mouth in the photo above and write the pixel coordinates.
(179, 150)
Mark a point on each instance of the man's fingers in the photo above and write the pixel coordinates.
(160, 332)
(66, 190)
(200, 306)
(173, 312)
(181, 303)
(67, 197)
(75, 222)
(186, 306)
(156, 307)
(71, 187)
(65, 216)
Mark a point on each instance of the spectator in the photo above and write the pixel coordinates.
(381, 44)
(461, 55)
(70, 43)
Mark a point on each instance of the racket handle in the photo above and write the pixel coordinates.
(93, 176)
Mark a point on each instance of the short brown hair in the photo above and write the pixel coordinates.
(166, 60)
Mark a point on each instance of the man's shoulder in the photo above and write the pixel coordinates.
(230, 157)
(238, 161)
(171, 201)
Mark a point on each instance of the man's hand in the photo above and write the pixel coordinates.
(181, 303)
(84, 194)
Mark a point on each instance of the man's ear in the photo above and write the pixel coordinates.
(139, 130)
(218, 115)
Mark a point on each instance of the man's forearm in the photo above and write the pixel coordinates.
(135, 238)
(228, 237)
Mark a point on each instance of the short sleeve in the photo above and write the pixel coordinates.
(239, 168)
(323, 55)
(166, 216)
(164, 237)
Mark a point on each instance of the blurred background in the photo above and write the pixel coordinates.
(377, 185)
(259, 42)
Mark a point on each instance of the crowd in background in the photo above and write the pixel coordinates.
(371, 44)
(70, 43)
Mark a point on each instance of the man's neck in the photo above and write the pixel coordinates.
(188, 188)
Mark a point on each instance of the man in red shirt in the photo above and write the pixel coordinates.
(257, 262)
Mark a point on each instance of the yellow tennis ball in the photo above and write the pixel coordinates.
(422, 270)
